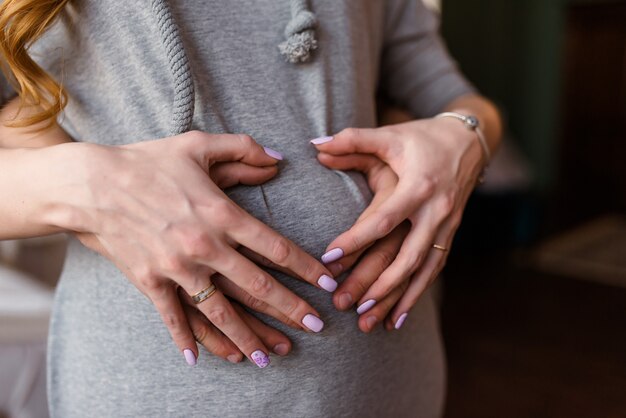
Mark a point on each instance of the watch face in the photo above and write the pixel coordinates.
(472, 122)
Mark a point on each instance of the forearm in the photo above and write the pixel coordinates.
(31, 180)
(38, 188)
(487, 114)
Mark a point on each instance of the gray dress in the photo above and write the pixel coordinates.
(109, 353)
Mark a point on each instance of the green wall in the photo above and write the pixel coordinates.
(511, 50)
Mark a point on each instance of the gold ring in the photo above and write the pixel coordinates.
(439, 247)
(204, 294)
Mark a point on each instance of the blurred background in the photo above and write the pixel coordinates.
(533, 299)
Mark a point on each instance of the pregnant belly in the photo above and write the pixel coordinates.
(311, 205)
(307, 202)
(107, 339)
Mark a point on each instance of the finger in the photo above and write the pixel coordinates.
(423, 278)
(348, 260)
(377, 315)
(166, 301)
(230, 147)
(259, 284)
(358, 162)
(262, 261)
(417, 285)
(230, 174)
(379, 175)
(210, 337)
(335, 268)
(344, 263)
(281, 251)
(404, 201)
(382, 181)
(368, 270)
(235, 292)
(220, 312)
(271, 337)
(414, 250)
(356, 140)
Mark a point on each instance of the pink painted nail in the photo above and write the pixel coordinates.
(272, 153)
(190, 357)
(365, 306)
(313, 323)
(260, 358)
(327, 283)
(281, 349)
(332, 255)
(321, 140)
(401, 320)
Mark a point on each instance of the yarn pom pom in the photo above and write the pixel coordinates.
(298, 47)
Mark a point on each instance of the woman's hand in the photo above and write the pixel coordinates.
(224, 175)
(369, 263)
(219, 344)
(152, 209)
(437, 163)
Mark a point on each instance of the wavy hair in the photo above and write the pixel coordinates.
(22, 23)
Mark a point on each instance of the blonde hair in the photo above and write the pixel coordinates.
(22, 23)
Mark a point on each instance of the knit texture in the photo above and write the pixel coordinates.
(184, 94)
(300, 33)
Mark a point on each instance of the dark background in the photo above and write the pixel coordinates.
(534, 294)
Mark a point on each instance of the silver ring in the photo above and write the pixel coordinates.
(204, 294)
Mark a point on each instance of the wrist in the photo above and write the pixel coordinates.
(64, 185)
(486, 113)
(471, 123)
(462, 144)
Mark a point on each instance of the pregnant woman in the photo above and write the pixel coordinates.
(236, 91)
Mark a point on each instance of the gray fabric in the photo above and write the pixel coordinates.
(109, 353)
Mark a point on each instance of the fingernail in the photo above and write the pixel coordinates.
(272, 153)
(365, 306)
(260, 358)
(335, 268)
(327, 283)
(234, 358)
(332, 255)
(345, 300)
(400, 320)
(190, 357)
(321, 140)
(281, 349)
(370, 321)
(313, 323)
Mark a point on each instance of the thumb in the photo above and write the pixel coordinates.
(214, 148)
(230, 174)
(355, 140)
(359, 162)
(379, 175)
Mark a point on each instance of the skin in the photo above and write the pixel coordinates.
(374, 260)
(172, 235)
(422, 173)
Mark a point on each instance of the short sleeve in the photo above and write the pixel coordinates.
(417, 72)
